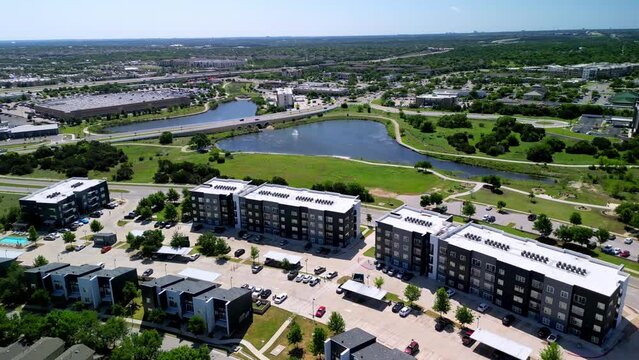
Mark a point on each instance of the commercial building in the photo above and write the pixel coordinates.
(322, 218)
(60, 204)
(105, 286)
(40, 277)
(320, 89)
(356, 344)
(291, 72)
(104, 239)
(65, 281)
(28, 131)
(441, 101)
(85, 106)
(284, 98)
(564, 290)
(407, 238)
(204, 63)
(216, 202)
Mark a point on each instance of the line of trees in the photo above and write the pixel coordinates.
(353, 189)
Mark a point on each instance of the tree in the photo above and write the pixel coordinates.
(369, 218)
(166, 138)
(196, 325)
(187, 205)
(540, 153)
(200, 141)
(468, 209)
(436, 198)
(96, 226)
(156, 316)
(424, 200)
(185, 353)
(581, 234)
(379, 281)
(206, 242)
(493, 180)
(412, 293)
(145, 212)
(138, 346)
(68, 237)
(294, 335)
(129, 292)
(13, 288)
(255, 253)
(442, 302)
(170, 212)
(40, 297)
(40, 261)
(602, 235)
(33, 233)
(501, 205)
(109, 334)
(124, 172)
(575, 218)
(172, 195)
(318, 338)
(423, 165)
(564, 233)
(221, 247)
(551, 352)
(336, 323)
(543, 225)
(531, 196)
(464, 315)
(178, 240)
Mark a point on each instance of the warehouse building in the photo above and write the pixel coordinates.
(216, 202)
(62, 203)
(86, 106)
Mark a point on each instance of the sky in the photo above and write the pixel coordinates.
(121, 19)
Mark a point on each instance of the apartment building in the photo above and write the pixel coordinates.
(356, 344)
(408, 238)
(564, 290)
(228, 309)
(105, 287)
(65, 283)
(284, 98)
(216, 202)
(40, 277)
(323, 218)
(62, 203)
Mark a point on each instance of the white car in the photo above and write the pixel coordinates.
(616, 251)
(450, 292)
(280, 298)
(405, 311)
(628, 241)
(482, 307)
(300, 277)
(194, 257)
(307, 279)
(257, 291)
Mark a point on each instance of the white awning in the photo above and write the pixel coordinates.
(365, 290)
(10, 254)
(279, 257)
(199, 274)
(502, 344)
(167, 250)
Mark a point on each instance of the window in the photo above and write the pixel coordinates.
(577, 310)
(453, 254)
(461, 277)
(489, 277)
(500, 292)
(550, 289)
(518, 299)
(475, 282)
(545, 321)
(595, 339)
(548, 300)
(475, 272)
(579, 299)
(452, 263)
(536, 284)
(601, 306)
(519, 289)
(498, 302)
(564, 294)
(576, 321)
(502, 271)
(462, 268)
(462, 257)
(476, 262)
(547, 310)
(500, 282)
(559, 326)
(563, 305)
(451, 273)
(490, 267)
(520, 278)
(516, 309)
(561, 316)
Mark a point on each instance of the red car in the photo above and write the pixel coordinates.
(412, 348)
(320, 311)
(624, 253)
(105, 249)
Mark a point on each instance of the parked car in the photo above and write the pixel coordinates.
(239, 252)
(130, 215)
(552, 338)
(105, 249)
(320, 311)
(391, 272)
(441, 323)
(84, 220)
(96, 214)
(379, 266)
(169, 224)
(331, 275)
(194, 257)
(112, 205)
(607, 249)
(398, 306)
(339, 290)
(256, 268)
(101, 265)
(283, 242)
(412, 348)
(616, 251)
(482, 307)
(407, 276)
(291, 275)
(219, 229)
(80, 247)
(624, 253)
(314, 282)
(449, 292)
(508, 320)
(466, 339)
(307, 278)
(318, 270)
(278, 299)
(532, 217)
(308, 246)
(300, 277)
(159, 224)
(147, 272)
(628, 241)
(543, 332)
(266, 293)
(405, 311)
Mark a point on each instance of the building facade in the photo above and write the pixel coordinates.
(564, 290)
(284, 98)
(356, 344)
(322, 218)
(65, 281)
(216, 202)
(105, 286)
(62, 203)
(40, 277)
(407, 238)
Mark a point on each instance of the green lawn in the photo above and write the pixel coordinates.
(8, 200)
(555, 210)
(307, 326)
(370, 252)
(265, 326)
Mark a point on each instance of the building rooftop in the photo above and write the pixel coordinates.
(163, 281)
(58, 191)
(79, 270)
(198, 274)
(217, 186)
(86, 102)
(284, 91)
(224, 294)
(353, 338)
(191, 286)
(77, 352)
(12, 350)
(417, 220)
(42, 349)
(437, 96)
(109, 273)
(29, 128)
(377, 351)
(47, 268)
(318, 200)
(562, 265)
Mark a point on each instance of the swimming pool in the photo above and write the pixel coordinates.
(14, 241)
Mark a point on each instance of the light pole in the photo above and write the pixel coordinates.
(114, 265)
(164, 269)
(478, 317)
(231, 281)
(313, 308)
(306, 262)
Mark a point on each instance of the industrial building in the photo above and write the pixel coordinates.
(284, 98)
(86, 106)
(13, 127)
(356, 344)
(216, 202)
(62, 203)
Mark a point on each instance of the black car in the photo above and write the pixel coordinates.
(159, 224)
(532, 217)
(239, 252)
(398, 306)
(219, 229)
(266, 293)
(441, 324)
(147, 272)
(379, 266)
(256, 268)
(508, 320)
(131, 215)
(197, 226)
(292, 275)
(308, 246)
(407, 276)
(543, 332)
(318, 270)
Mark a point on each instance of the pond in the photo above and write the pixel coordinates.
(356, 139)
(226, 111)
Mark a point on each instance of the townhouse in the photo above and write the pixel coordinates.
(105, 287)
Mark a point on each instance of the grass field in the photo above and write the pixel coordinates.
(307, 326)
(8, 200)
(265, 326)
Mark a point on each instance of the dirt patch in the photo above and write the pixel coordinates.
(539, 190)
(582, 208)
(382, 193)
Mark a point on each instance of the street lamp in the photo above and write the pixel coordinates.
(478, 317)
(306, 262)
(231, 281)
(313, 308)
(164, 269)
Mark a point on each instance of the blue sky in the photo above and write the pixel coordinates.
(96, 19)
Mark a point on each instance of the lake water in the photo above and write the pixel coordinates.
(357, 139)
(226, 111)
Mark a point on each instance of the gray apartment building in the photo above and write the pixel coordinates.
(407, 238)
(62, 203)
(564, 290)
(216, 202)
(105, 287)
(65, 284)
(322, 218)
(357, 344)
(40, 277)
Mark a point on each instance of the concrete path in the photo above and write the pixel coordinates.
(275, 336)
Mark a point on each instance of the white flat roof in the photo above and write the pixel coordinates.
(167, 250)
(285, 91)
(318, 200)
(199, 274)
(599, 276)
(368, 291)
(137, 233)
(58, 191)
(278, 256)
(10, 254)
(436, 96)
(28, 128)
(222, 186)
(417, 220)
(502, 344)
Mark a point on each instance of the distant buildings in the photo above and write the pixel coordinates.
(320, 89)
(357, 344)
(204, 63)
(284, 98)
(291, 72)
(12, 127)
(60, 204)
(85, 106)
(585, 71)
(439, 100)
(537, 92)
(46, 348)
